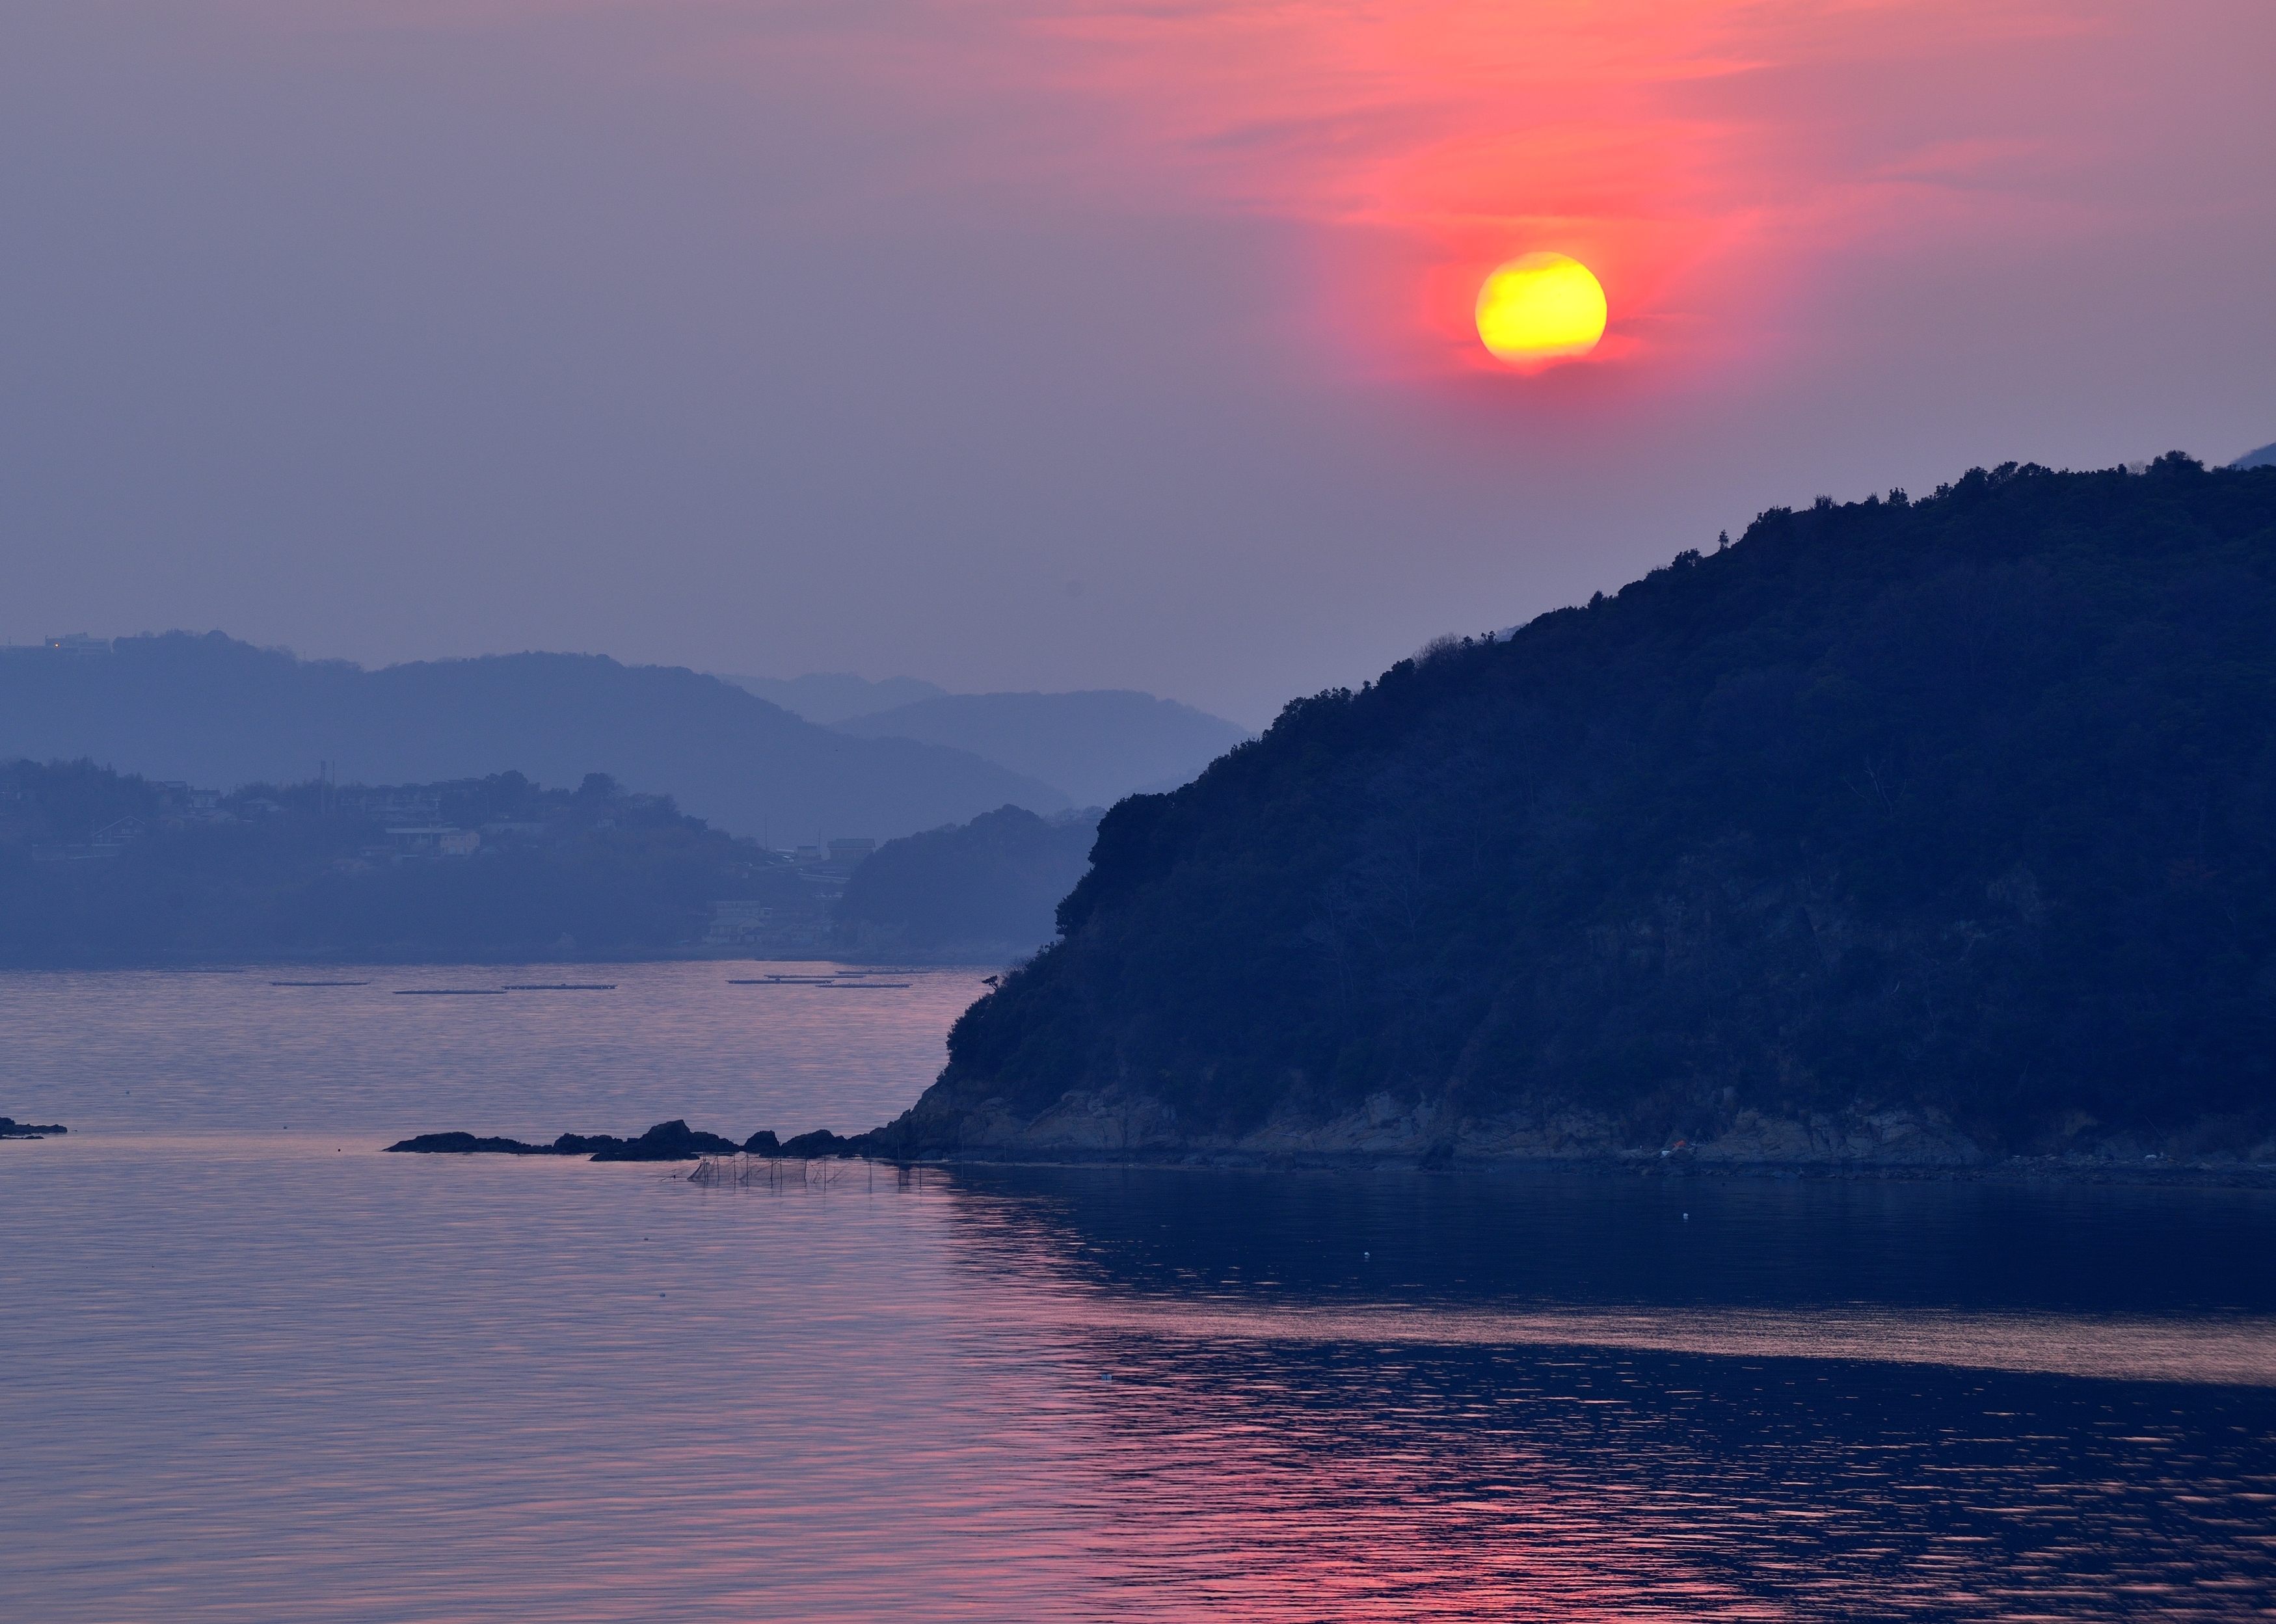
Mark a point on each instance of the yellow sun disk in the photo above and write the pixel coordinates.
(1541, 307)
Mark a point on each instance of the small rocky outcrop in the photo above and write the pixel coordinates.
(467, 1144)
(821, 1142)
(10, 1128)
(666, 1141)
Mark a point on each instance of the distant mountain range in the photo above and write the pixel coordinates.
(1097, 746)
(827, 696)
(2265, 458)
(219, 712)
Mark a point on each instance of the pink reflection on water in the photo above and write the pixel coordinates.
(1247, 1459)
(2238, 1351)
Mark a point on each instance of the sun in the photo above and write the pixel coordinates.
(1539, 310)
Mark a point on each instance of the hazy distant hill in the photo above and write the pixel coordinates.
(2265, 458)
(827, 696)
(985, 893)
(1098, 745)
(218, 712)
(1898, 830)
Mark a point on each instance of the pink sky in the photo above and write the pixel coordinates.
(1025, 346)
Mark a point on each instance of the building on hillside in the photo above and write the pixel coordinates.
(179, 803)
(205, 808)
(402, 806)
(850, 854)
(734, 922)
(69, 645)
(420, 839)
(459, 843)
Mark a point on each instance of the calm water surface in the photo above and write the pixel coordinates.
(252, 1370)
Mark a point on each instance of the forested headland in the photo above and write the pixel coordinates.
(1923, 828)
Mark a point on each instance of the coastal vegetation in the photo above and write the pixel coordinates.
(1959, 812)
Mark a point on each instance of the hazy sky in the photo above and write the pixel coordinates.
(1017, 345)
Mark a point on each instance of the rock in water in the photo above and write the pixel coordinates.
(668, 1141)
(468, 1144)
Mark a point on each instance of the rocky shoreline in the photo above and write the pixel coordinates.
(2012, 1170)
(1897, 1143)
(1892, 1143)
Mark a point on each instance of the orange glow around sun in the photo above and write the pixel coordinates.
(1692, 162)
(1684, 150)
(1540, 309)
(1427, 147)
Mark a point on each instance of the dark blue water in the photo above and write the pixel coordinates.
(270, 1373)
(1611, 1240)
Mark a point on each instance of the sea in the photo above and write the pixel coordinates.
(253, 1368)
